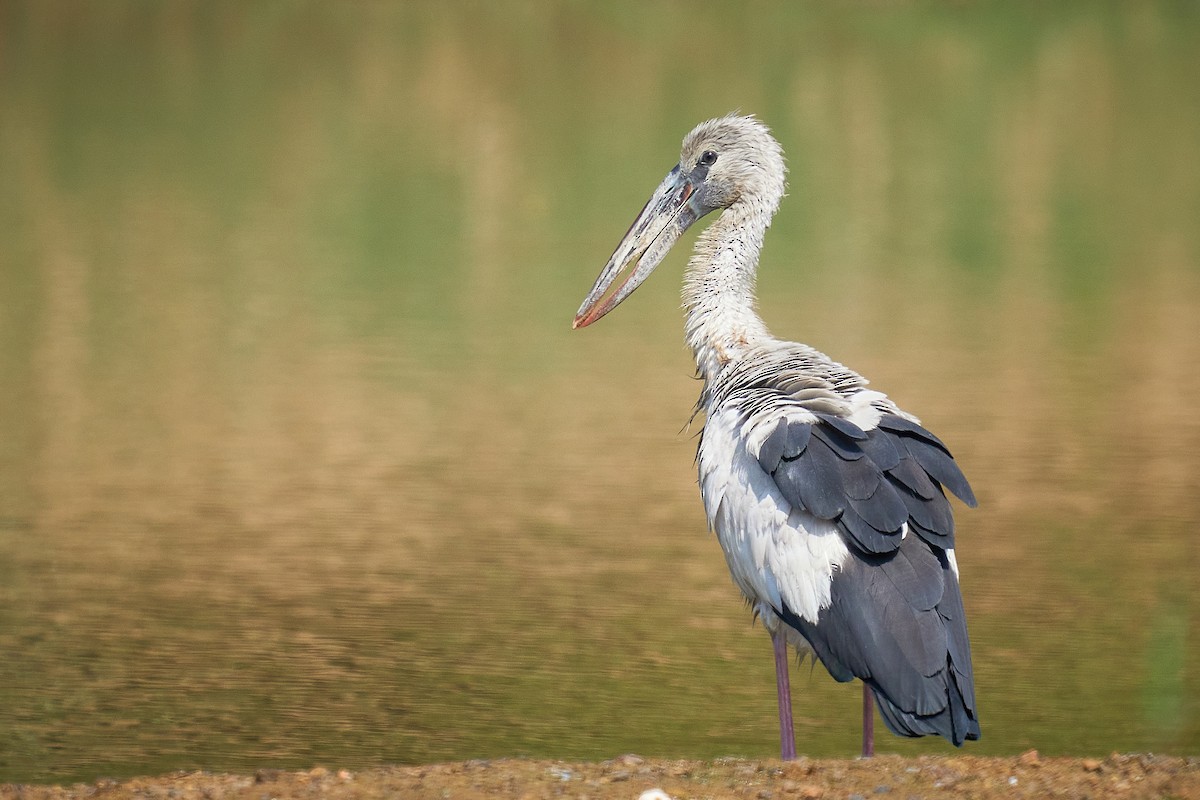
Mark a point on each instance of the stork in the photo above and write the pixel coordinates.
(827, 499)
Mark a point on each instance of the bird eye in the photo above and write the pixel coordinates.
(707, 158)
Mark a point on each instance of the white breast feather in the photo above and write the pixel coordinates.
(775, 553)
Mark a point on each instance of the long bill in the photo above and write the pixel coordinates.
(673, 207)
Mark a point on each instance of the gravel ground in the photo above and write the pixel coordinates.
(1024, 776)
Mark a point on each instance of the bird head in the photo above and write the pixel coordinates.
(723, 162)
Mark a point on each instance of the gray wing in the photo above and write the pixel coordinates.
(870, 482)
(895, 619)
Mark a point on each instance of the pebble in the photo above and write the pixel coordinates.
(654, 794)
(264, 775)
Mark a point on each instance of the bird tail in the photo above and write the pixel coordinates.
(954, 722)
(914, 653)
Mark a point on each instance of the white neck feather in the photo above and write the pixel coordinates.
(718, 290)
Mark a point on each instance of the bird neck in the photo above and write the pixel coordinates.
(718, 291)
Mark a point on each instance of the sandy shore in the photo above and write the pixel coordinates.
(1024, 776)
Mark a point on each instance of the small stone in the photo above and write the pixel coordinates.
(345, 775)
(654, 794)
(1029, 758)
(631, 760)
(318, 772)
(811, 792)
(882, 788)
(1092, 764)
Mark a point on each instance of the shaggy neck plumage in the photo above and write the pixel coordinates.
(718, 290)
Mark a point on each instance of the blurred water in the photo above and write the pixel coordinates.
(302, 463)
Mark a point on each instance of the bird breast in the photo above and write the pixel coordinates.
(776, 554)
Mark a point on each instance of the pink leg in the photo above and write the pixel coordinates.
(868, 744)
(787, 738)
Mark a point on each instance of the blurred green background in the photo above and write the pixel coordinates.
(302, 463)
